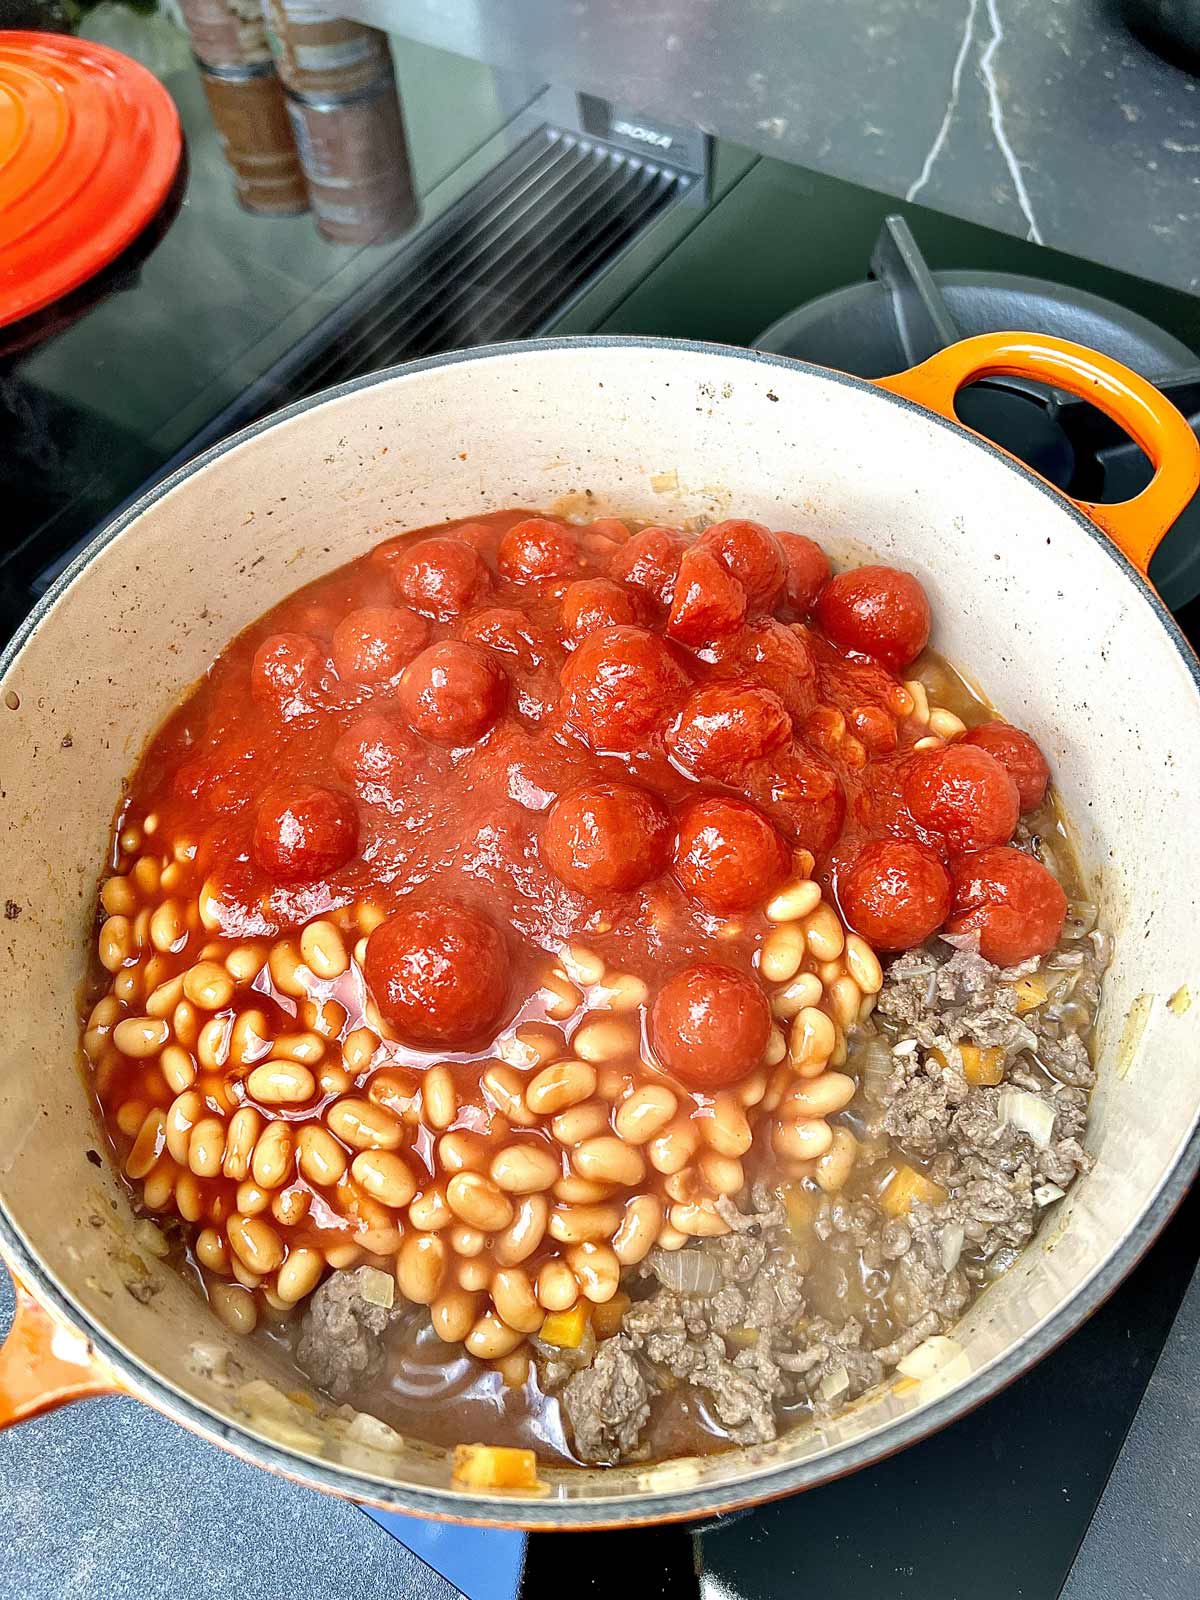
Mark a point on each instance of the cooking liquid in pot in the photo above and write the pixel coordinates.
(423, 723)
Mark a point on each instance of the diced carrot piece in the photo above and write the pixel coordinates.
(493, 1466)
(565, 1328)
(1031, 992)
(800, 1205)
(905, 1188)
(982, 1066)
(606, 1319)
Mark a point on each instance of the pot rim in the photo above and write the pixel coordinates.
(627, 1509)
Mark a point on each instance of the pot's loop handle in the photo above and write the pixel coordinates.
(1135, 526)
(44, 1364)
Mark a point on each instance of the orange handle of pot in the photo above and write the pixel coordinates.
(43, 1364)
(1135, 526)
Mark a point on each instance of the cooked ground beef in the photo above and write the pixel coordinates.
(341, 1340)
(785, 1323)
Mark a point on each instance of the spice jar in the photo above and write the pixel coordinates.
(323, 56)
(226, 33)
(355, 158)
(252, 124)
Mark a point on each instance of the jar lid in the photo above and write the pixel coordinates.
(89, 144)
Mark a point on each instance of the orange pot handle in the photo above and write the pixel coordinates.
(44, 1363)
(1135, 526)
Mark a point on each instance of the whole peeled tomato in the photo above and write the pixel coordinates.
(723, 727)
(622, 685)
(304, 831)
(649, 562)
(537, 548)
(752, 554)
(807, 570)
(377, 755)
(510, 633)
(1012, 901)
(593, 603)
(777, 657)
(1018, 755)
(607, 837)
(376, 643)
(802, 795)
(438, 577)
(876, 611)
(453, 692)
(709, 1026)
(962, 794)
(728, 857)
(894, 893)
(708, 601)
(439, 974)
(285, 674)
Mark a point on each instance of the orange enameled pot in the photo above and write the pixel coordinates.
(1044, 601)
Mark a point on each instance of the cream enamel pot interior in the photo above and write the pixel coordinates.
(1060, 627)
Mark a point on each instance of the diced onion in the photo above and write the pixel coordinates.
(377, 1288)
(686, 1271)
(834, 1384)
(962, 941)
(929, 1357)
(149, 1236)
(1028, 1114)
(1047, 1193)
(953, 1238)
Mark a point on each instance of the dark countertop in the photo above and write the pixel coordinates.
(1044, 118)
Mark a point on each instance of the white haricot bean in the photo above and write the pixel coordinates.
(562, 1084)
(385, 1176)
(524, 1233)
(291, 1206)
(249, 1039)
(281, 1083)
(333, 1079)
(208, 985)
(824, 934)
(341, 1257)
(580, 1224)
(185, 1024)
(579, 1191)
(234, 1306)
(698, 1219)
(206, 1147)
(490, 1338)
(580, 1122)
(672, 1149)
(364, 1126)
(460, 1150)
(920, 700)
(525, 1167)
(534, 1044)
(863, 964)
(639, 1228)
(164, 997)
(600, 1038)
(835, 1166)
(177, 1067)
(429, 1211)
(945, 724)
(645, 1113)
(794, 901)
(358, 1050)
(244, 962)
(453, 1314)
(608, 1160)
(323, 950)
(506, 1086)
(326, 1018)
(147, 874)
(116, 944)
(299, 1274)
(670, 1238)
(781, 954)
(130, 1117)
(151, 1141)
(118, 897)
(722, 1174)
(168, 927)
(681, 1185)
(250, 1200)
(287, 969)
(158, 1190)
(141, 1037)
(211, 1250)
(184, 1113)
(726, 1130)
(273, 1161)
(597, 1269)
(803, 990)
(801, 1141)
(557, 1286)
(320, 1157)
(515, 1300)
(622, 992)
(751, 1090)
(563, 998)
(812, 1039)
(421, 1267)
(245, 1125)
(845, 997)
(467, 1241)
(473, 1272)
(128, 986)
(439, 1098)
(479, 1202)
(582, 964)
(255, 1242)
(821, 1096)
(308, 1048)
(212, 1043)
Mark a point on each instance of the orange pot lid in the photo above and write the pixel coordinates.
(89, 144)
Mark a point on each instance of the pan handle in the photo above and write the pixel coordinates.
(1135, 526)
(45, 1363)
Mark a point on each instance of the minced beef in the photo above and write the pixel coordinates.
(341, 1336)
(608, 1404)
